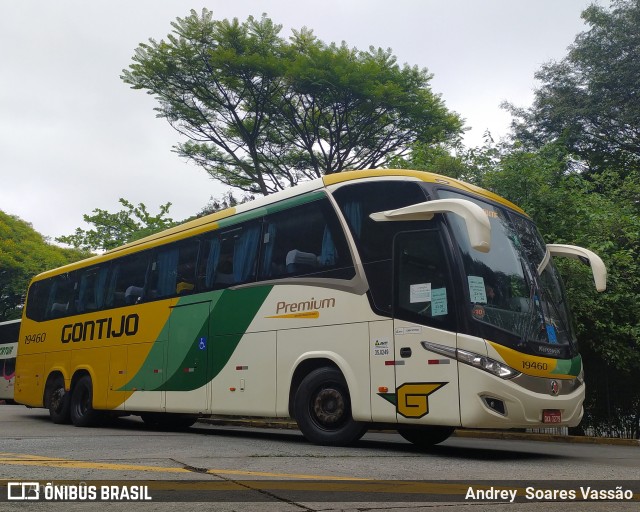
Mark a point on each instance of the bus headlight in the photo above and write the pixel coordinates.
(472, 359)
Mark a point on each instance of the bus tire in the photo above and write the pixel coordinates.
(426, 436)
(322, 409)
(56, 399)
(82, 412)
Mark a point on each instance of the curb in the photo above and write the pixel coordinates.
(530, 436)
(288, 424)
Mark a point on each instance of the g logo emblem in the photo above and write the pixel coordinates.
(413, 398)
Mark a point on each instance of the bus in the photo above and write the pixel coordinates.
(393, 298)
(9, 332)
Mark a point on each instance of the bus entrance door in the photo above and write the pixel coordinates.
(426, 383)
(187, 388)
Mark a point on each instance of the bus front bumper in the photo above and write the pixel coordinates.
(487, 401)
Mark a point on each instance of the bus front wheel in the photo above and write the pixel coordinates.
(427, 436)
(322, 409)
(82, 412)
(56, 399)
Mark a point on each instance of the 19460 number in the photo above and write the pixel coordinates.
(35, 338)
(533, 365)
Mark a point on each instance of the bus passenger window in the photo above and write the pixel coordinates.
(126, 280)
(93, 283)
(230, 257)
(37, 299)
(173, 271)
(375, 239)
(304, 240)
(61, 296)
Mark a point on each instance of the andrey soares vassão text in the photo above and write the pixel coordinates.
(585, 493)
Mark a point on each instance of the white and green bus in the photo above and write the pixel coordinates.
(9, 332)
(391, 298)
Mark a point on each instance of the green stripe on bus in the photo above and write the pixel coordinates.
(204, 346)
(230, 319)
(269, 209)
(568, 366)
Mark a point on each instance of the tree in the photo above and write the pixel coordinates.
(590, 100)
(261, 113)
(112, 230)
(448, 160)
(23, 254)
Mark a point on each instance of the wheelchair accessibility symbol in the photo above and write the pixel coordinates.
(202, 344)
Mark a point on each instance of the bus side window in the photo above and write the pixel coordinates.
(229, 257)
(209, 257)
(61, 296)
(92, 287)
(126, 280)
(173, 271)
(37, 298)
(186, 275)
(374, 240)
(303, 240)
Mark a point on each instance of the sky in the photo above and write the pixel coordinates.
(75, 137)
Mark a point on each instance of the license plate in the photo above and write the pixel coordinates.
(551, 416)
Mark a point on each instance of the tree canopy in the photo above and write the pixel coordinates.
(23, 254)
(112, 230)
(260, 112)
(590, 100)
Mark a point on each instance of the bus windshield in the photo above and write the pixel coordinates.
(508, 288)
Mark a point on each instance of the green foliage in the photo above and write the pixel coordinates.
(589, 100)
(23, 254)
(112, 230)
(441, 159)
(260, 113)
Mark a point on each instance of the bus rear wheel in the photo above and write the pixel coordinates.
(56, 399)
(82, 412)
(427, 436)
(322, 408)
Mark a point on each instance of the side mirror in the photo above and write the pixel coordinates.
(586, 256)
(476, 220)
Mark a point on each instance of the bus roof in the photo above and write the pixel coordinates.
(263, 205)
(425, 176)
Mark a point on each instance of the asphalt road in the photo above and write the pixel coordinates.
(239, 468)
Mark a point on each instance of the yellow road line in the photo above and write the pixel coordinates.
(18, 459)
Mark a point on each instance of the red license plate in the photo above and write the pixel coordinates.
(551, 416)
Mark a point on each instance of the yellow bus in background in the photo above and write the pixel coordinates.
(393, 298)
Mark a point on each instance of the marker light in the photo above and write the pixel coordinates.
(472, 359)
